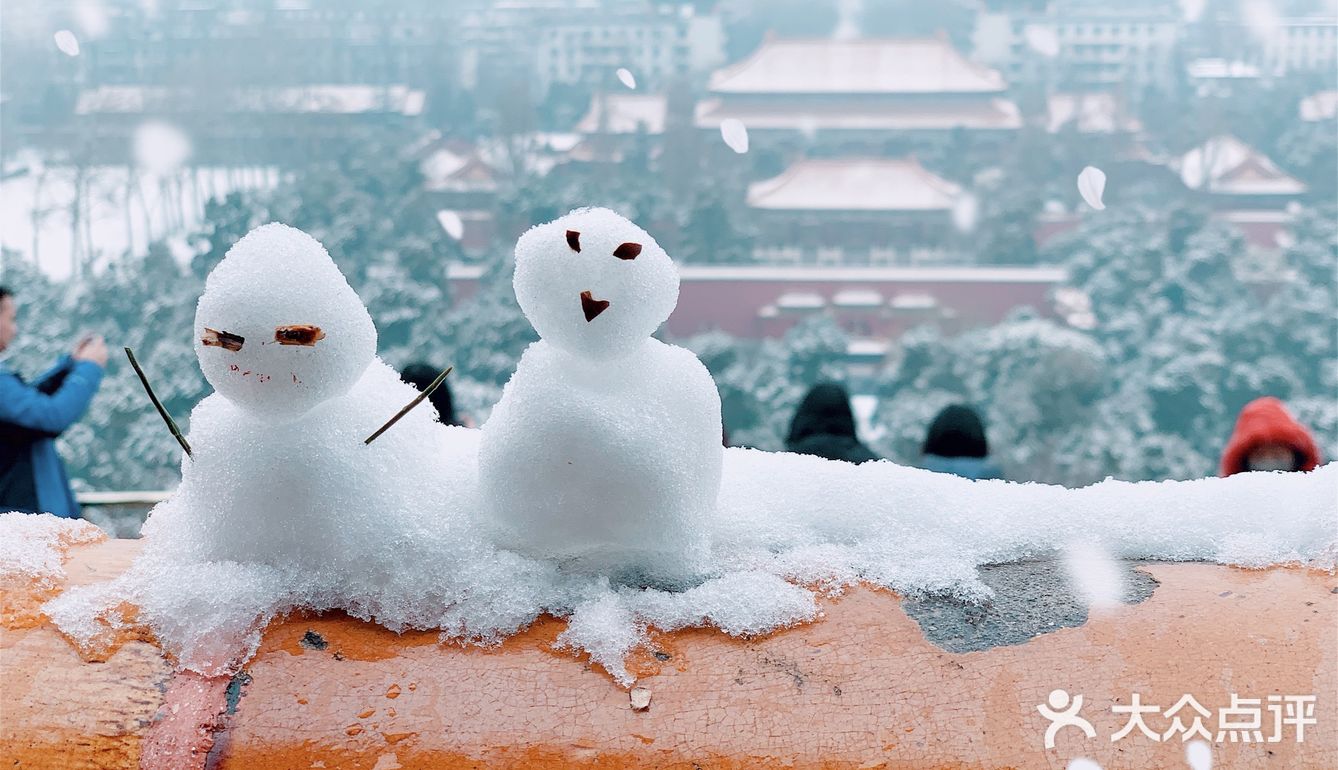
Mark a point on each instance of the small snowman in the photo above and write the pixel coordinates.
(604, 453)
(279, 474)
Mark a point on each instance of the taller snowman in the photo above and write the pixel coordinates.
(604, 453)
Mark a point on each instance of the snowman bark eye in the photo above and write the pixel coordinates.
(574, 240)
(627, 251)
(212, 338)
(298, 334)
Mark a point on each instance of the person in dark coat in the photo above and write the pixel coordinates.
(421, 375)
(1268, 438)
(956, 444)
(33, 414)
(824, 426)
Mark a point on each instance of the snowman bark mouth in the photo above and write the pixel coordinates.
(592, 307)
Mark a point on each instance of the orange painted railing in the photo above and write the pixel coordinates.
(862, 687)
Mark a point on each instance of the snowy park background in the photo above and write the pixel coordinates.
(395, 136)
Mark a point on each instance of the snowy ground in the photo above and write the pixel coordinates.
(788, 528)
(119, 209)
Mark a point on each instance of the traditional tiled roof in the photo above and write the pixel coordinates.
(862, 115)
(1225, 165)
(457, 170)
(872, 66)
(855, 184)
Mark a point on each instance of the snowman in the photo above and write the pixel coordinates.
(604, 453)
(279, 474)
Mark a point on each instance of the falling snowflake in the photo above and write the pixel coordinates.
(90, 16)
(1261, 19)
(161, 148)
(1092, 185)
(1192, 9)
(735, 134)
(1042, 39)
(451, 222)
(965, 212)
(67, 42)
(1199, 755)
(1094, 575)
(626, 77)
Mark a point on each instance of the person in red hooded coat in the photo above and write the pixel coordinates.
(1268, 438)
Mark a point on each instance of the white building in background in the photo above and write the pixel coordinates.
(1080, 45)
(1095, 112)
(654, 43)
(624, 113)
(1292, 45)
(571, 42)
(1263, 38)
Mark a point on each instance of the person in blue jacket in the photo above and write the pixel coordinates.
(956, 444)
(32, 415)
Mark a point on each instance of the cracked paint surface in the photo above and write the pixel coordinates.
(863, 687)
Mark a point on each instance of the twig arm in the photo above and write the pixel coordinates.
(409, 406)
(167, 418)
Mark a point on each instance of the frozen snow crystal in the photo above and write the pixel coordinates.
(67, 42)
(1092, 185)
(1094, 575)
(965, 212)
(604, 452)
(626, 78)
(1191, 10)
(451, 223)
(1042, 39)
(1199, 755)
(161, 148)
(91, 18)
(1262, 19)
(735, 134)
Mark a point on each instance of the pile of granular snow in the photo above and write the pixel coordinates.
(789, 527)
(915, 531)
(590, 495)
(32, 556)
(33, 547)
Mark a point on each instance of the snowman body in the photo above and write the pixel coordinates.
(604, 453)
(307, 493)
(608, 489)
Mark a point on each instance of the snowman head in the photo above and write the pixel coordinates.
(278, 329)
(593, 283)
